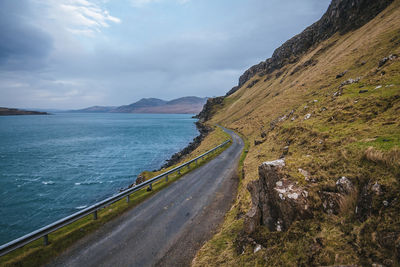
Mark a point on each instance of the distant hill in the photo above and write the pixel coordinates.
(183, 105)
(96, 109)
(14, 111)
(144, 103)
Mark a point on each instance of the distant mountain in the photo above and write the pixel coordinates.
(95, 109)
(183, 105)
(143, 103)
(14, 111)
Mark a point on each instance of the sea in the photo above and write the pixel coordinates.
(52, 166)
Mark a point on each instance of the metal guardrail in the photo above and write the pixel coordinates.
(45, 231)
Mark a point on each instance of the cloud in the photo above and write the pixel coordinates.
(81, 16)
(141, 3)
(23, 44)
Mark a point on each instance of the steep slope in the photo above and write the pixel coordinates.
(330, 110)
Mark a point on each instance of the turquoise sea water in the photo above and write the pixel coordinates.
(52, 166)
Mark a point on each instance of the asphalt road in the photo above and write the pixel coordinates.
(168, 228)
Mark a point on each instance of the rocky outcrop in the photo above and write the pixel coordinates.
(210, 108)
(342, 16)
(332, 202)
(276, 201)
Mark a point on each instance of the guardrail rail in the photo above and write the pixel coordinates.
(45, 231)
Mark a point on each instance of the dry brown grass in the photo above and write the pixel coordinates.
(390, 158)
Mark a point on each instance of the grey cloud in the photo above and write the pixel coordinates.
(23, 46)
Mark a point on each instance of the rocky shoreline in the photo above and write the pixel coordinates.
(175, 158)
(204, 131)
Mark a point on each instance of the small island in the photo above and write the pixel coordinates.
(14, 111)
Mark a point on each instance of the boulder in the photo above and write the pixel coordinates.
(344, 186)
(140, 179)
(276, 200)
(340, 75)
(332, 201)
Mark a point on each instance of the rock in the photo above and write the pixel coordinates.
(378, 87)
(276, 201)
(258, 142)
(340, 75)
(257, 248)
(377, 189)
(350, 81)
(305, 173)
(285, 151)
(140, 179)
(363, 91)
(306, 117)
(331, 202)
(283, 118)
(275, 163)
(232, 91)
(344, 186)
(253, 83)
(370, 200)
(263, 134)
(210, 108)
(384, 60)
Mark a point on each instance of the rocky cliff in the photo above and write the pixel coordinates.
(341, 17)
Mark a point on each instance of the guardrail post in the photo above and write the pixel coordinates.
(150, 187)
(196, 162)
(179, 172)
(95, 215)
(166, 178)
(127, 199)
(46, 240)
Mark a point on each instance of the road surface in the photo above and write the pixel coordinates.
(168, 228)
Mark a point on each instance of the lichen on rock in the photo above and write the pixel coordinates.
(277, 201)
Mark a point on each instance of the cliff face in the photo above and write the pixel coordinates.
(341, 17)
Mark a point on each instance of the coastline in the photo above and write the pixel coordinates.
(177, 157)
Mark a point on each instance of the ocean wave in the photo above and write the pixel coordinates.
(48, 182)
(81, 207)
(88, 183)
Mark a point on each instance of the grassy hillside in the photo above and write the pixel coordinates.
(334, 113)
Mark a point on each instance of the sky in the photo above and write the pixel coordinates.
(70, 54)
